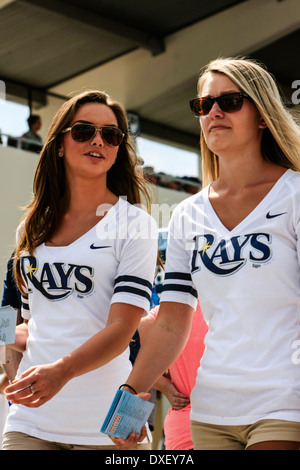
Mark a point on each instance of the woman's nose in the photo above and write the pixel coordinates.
(97, 139)
(216, 111)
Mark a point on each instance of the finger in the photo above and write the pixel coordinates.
(126, 444)
(30, 400)
(181, 399)
(181, 395)
(144, 395)
(19, 384)
(132, 440)
(19, 393)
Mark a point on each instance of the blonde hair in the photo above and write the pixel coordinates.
(281, 139)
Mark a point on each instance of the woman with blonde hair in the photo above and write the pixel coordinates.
(281, 137)
(235, 244)
(85, 262)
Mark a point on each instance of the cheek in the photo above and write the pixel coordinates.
(204, 126)
(113, 154)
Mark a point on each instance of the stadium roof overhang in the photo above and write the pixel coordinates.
(145, 54)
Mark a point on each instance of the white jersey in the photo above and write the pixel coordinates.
(70, 291)
(248, 284)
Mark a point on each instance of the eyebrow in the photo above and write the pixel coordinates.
(222, 93)
(82, 121)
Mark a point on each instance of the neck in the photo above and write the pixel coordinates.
(86, 196)
(239, 171)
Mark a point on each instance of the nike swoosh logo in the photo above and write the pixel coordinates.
(269, 216)
(93, 247)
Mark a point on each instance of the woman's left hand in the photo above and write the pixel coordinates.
(36, 386)
(132, 440)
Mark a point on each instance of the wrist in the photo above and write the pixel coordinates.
(129, 388)
(65, 367)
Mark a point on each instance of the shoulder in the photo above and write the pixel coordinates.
(136, 216)
(20, 230)
(134, 209)
(290, 188)
(293, 179)
(187, 206)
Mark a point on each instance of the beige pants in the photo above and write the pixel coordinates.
(213, 437)
(21, 441)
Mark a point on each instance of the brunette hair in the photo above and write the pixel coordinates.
(50, 188)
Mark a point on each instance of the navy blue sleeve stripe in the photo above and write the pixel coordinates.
(25, 306)
(132, 290)
(182, 276)
(181, 288)
(135, 279)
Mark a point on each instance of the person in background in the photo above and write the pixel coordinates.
(11, 296)
(236, 246)
(32, 140)
(179, 381)
(84, 263)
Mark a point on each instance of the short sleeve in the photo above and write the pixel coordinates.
(178, 284)
(25, 309)
(137, 264)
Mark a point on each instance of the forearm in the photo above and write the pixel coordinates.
(52, 377)
(162, 345)
(162, 384)
(104, 345)
(153, 361)
(20, 338)
(4, 381)
(96, 352)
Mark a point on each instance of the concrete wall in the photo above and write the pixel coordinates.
(16, 176)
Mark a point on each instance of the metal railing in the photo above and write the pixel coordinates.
(21, 143)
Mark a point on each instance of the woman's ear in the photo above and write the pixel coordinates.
(60, 151)
(262, 124)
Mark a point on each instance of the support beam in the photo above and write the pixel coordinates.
(137, 79)
(92, 19)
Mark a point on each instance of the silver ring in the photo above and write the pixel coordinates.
(32, 389)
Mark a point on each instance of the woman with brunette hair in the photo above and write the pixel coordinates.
(85, 263)
(236, 245)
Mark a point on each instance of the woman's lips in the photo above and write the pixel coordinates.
(218, 128)
(94, 155)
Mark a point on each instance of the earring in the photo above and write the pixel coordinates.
(60, 154)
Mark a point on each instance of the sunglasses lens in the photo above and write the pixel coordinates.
(231, 102)
(82, 132)
(112, 135)
(228, 103)
(201, 106)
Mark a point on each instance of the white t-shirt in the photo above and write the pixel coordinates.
(70, 291)
(248, 284)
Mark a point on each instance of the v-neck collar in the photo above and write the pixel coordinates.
(221, 227)
(105, 220)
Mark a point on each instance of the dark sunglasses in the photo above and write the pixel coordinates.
(228, 103)
(84, 132)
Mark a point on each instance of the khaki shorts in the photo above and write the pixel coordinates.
(213, 437)
(21, 441)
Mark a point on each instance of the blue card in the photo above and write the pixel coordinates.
(128, 413)
(8, 322)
